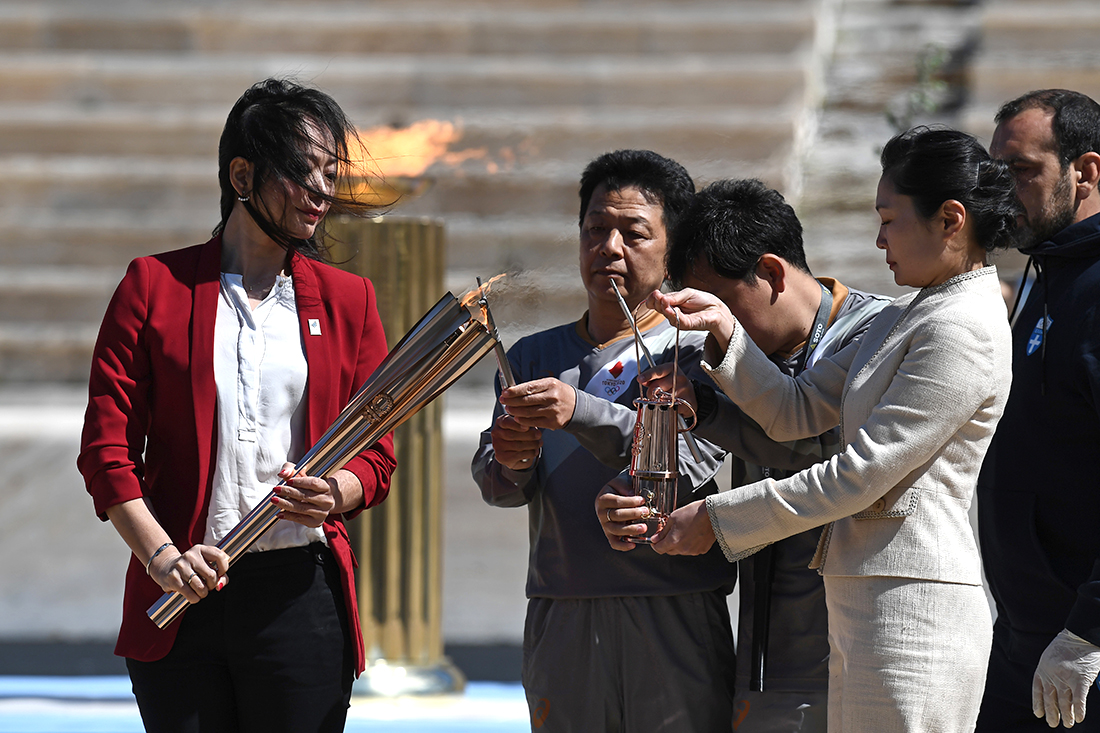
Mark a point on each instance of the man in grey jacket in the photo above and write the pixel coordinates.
(612, 641)
(742, 242)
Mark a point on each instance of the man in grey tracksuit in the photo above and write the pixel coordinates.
(613, 641)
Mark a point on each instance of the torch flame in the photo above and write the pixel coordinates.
(484, 316)
(477, 293)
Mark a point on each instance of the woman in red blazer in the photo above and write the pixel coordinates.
(216, 367)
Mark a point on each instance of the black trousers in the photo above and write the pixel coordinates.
(269, 652)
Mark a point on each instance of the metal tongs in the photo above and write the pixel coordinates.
(680, 422)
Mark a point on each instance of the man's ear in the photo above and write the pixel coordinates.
(773, 270)
(1088, 175)
(952, 217)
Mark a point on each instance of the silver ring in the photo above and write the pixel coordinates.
(609, 519)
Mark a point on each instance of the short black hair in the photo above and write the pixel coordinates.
(660, 179)
(1076, 123)
(270, 126)
(730, 225)
(932, 165)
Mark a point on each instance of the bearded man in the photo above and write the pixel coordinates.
(1039, 490)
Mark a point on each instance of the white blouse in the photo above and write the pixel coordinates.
(260, 373)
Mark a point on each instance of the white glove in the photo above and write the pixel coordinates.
(1066, 670)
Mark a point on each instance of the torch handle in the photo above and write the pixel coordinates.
(689, 438)
(437, 351)
(251, 527)
(262, 517)
(505, 366)
(167, 609)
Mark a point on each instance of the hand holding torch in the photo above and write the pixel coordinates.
(443, 346)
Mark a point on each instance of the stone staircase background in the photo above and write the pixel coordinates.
(996, 50)
(110, 112)
(1032, 45)
(872, 70)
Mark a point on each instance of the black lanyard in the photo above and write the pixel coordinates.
(821, 323)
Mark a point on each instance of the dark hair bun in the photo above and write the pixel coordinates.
(936, 164)
(996, 208)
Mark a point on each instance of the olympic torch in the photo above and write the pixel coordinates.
(439, 349)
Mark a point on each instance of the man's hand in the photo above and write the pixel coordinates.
(617, 510)
(542, 403)
(515, 446)
(687, 531)
(1062, 680)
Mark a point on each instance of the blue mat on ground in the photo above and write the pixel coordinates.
(67, 688)
(106, 705)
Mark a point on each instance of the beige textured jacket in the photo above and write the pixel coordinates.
(917, 400)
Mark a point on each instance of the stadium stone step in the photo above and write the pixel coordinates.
(342, 29)
(64, 186)
(1025, 46)
(57, 294)
(67, 185)
(34, 237)
(98, 79)
(1052, 29)
(555, 134)
(54, 352)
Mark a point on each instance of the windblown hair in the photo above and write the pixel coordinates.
(1076, 123)
(729, 226)
(934, 165)
(662, 180)
(274, 126)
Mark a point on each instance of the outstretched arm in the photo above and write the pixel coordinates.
(917, 414)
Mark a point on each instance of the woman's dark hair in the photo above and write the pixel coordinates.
(933, 165)
(729, 226)
(271, 127)
(661, 179)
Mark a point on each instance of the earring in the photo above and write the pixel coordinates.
(244, 199)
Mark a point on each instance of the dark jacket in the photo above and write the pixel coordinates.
(1039, 490)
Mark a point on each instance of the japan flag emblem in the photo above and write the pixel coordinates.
(612, 380)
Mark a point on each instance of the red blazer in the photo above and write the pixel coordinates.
(149, 430)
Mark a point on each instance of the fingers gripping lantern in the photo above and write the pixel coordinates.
(654, 453)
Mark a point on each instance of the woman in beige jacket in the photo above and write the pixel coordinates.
(917, 401)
